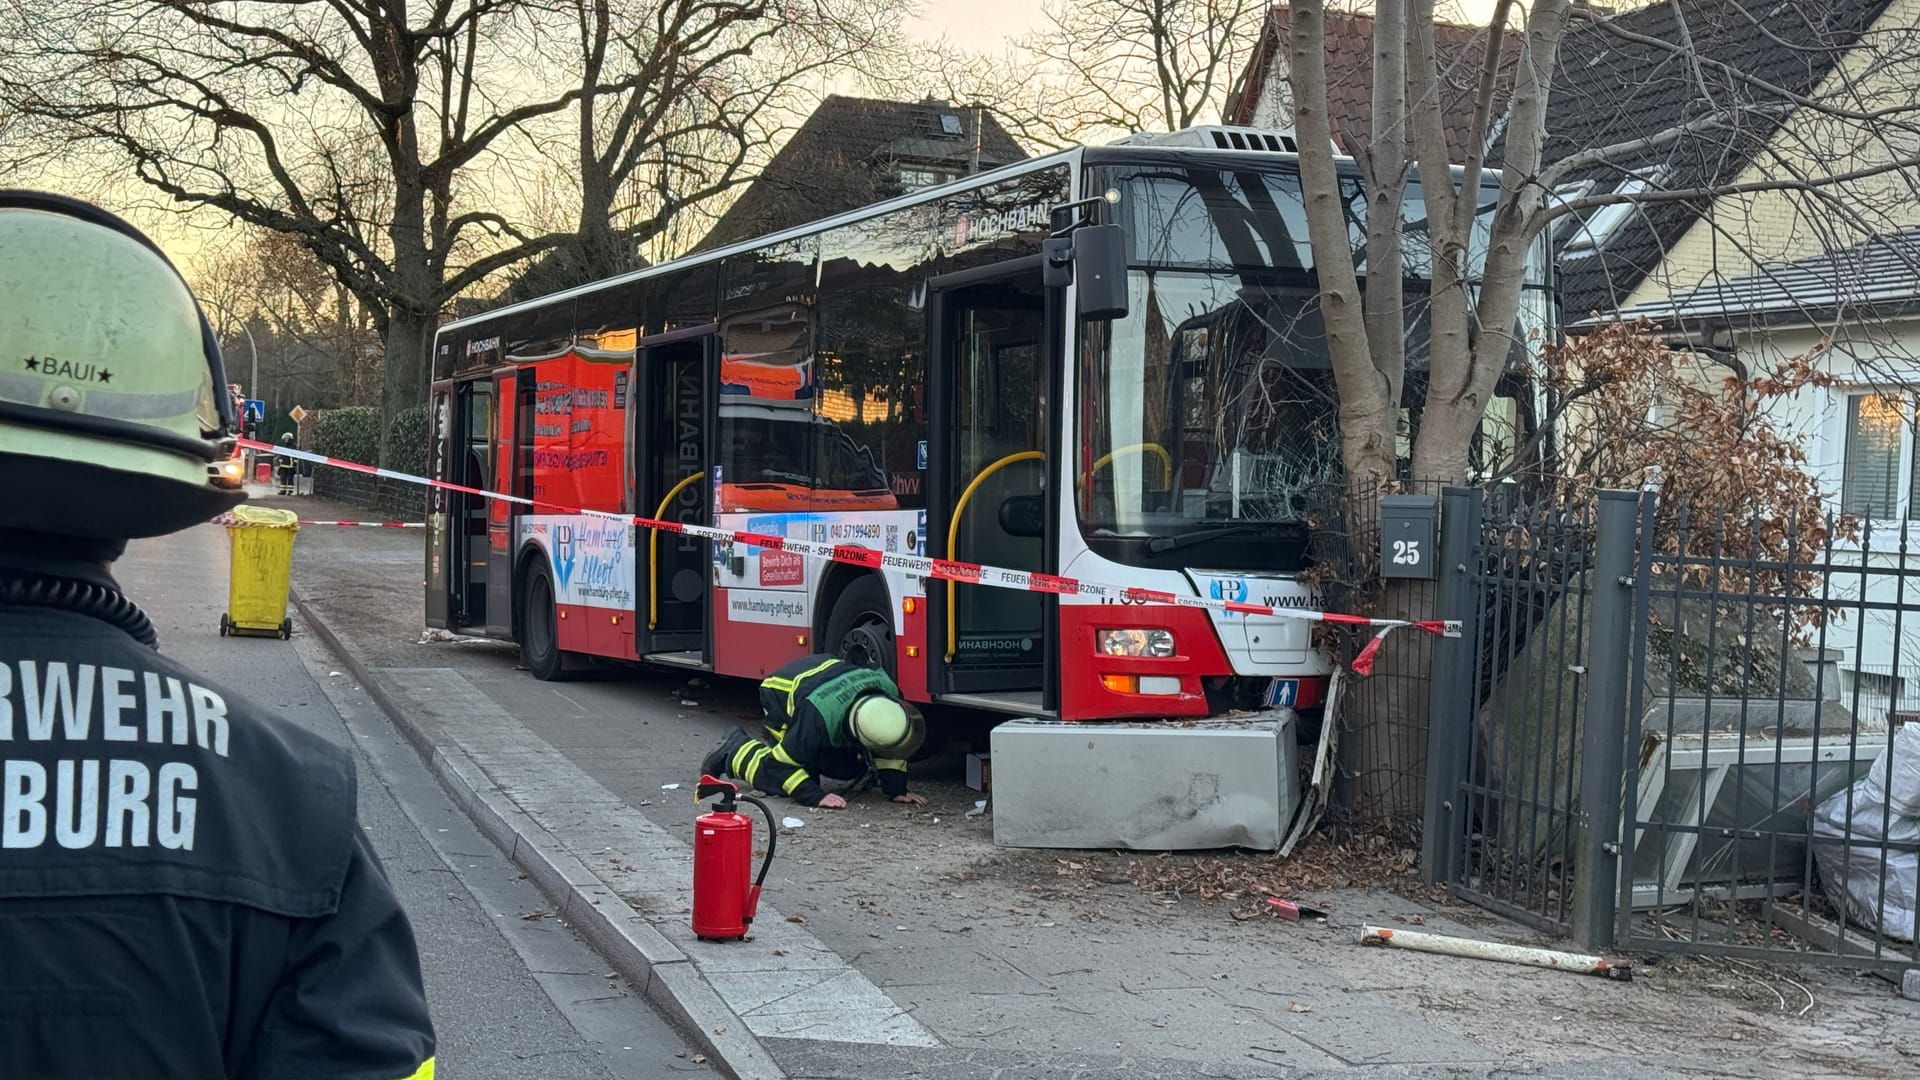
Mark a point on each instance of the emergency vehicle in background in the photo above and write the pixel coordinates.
(916, 377)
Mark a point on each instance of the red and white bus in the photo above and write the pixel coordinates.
(920, 376)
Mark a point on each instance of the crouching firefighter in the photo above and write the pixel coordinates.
(825, 718)
(184, 888)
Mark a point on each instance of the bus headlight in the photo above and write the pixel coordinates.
(1157, 643)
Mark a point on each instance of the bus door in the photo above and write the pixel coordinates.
(677, 377)
(440, 531)
(471, 458)
(509, 472)
(989, 385)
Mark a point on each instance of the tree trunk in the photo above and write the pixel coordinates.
(1383, 744)
(409, 340)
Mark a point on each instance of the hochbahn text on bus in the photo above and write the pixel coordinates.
(1106, 363)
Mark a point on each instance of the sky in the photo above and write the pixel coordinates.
(990, 24)
(978, 25)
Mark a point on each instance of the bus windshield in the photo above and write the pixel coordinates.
(1210, 409)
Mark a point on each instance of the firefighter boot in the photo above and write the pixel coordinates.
(715, 764)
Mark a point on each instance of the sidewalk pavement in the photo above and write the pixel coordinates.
(899, 941)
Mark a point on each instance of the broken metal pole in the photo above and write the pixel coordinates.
(1579, 964)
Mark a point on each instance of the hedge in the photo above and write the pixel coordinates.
(353, 433)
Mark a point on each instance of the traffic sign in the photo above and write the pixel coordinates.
(256, 409)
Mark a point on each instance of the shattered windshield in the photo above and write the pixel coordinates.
(1212, 403)
(1209, 412)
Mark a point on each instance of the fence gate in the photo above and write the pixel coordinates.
(1512, 701)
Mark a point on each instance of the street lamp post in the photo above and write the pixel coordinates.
(253, 379)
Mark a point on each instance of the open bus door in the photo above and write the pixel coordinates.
(676, 376)
(469, 566)
(990, 380)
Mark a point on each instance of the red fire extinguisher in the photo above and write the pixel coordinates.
(723, 902)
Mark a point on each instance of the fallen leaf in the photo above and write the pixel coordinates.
(611, 974)
(796, 917)
(1298, 1008)
(699, 1059)
(534, 916)
(721, 1030)
(779, 952)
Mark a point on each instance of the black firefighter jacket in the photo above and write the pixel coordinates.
(185, 891)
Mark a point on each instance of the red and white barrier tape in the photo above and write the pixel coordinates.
(921, 566)
(371, 524)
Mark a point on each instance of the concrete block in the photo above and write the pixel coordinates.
(1170, 786)
(1910, 984)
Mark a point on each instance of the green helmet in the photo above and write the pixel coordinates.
(887, 727)
(112, 395)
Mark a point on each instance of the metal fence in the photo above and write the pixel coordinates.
(1656, 733)
(1747, 830)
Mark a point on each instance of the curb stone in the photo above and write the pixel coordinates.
(1910, 985)
(635, 949)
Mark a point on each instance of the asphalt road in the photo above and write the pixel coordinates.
(514, 993)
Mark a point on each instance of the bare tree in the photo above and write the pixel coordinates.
(357, 127)
(679, 101)
(393, 141)
(1105, 67)
(275, 303)
(1474, 310)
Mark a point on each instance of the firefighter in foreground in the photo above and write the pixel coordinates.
(825, 718)
(184, 888)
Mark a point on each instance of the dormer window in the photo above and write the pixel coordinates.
(950, 125)
(914, 177)
(1584, 234)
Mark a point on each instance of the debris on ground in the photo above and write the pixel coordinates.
(791, 822)
(1500, 951)
(1369, 860)
(979, 808)
(1293, 911)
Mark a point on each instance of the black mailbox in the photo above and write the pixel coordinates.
(1409, 536)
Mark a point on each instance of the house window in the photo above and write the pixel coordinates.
(1877, 477)
(1584, 234)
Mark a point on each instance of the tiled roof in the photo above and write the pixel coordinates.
(841, 159)
(1879, 276)
(1610, 91)
(1349, 47)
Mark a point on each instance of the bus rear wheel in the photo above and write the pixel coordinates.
(540, 630)
(860, 630)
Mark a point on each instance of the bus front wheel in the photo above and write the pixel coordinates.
(860, 630)
(540, 629)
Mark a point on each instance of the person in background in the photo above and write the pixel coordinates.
(285, 469)
(185, 889)
(824, 718)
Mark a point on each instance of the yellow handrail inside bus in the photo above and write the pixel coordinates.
(1166, 460)
(953, 529)
(653, 551)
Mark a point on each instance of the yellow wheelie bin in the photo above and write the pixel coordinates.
(262, 564)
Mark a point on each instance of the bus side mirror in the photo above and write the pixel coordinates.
(1100, 270)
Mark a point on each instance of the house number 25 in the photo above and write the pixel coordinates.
(1406, 553)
